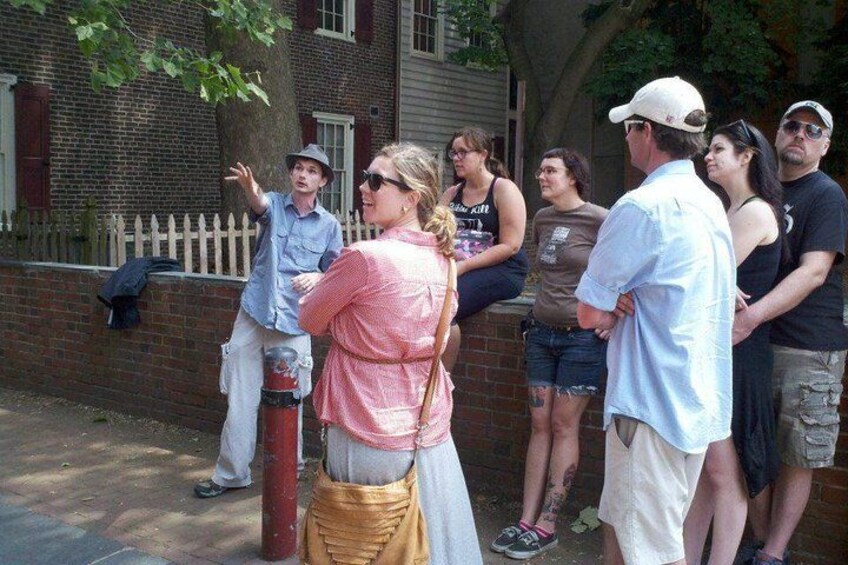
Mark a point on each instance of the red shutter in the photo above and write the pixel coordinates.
(307, 14)
(361, 159)
(308, 129)
(32, 145)
(365, 20)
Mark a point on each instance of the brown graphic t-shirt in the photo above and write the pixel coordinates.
(564, 241)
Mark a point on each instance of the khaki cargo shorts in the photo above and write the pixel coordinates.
(807, 386)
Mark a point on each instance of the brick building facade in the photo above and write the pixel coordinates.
(143, 148)
(345, 65)
(150, 147)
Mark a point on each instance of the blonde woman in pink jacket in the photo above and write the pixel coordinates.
(381, 301)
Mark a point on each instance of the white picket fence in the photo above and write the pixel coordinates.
(202, 248)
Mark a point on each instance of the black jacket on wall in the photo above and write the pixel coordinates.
(121, 291)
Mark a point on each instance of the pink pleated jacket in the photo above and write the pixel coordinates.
(381, 299)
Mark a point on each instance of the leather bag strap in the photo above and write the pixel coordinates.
(441, 330)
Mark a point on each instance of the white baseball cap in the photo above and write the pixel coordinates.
(666, 101)
(815, 107)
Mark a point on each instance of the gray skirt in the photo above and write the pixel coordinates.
(441, 486)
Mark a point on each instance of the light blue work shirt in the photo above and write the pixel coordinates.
(289, 244)
(669, 364)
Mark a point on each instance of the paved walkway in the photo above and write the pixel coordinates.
(85, 485)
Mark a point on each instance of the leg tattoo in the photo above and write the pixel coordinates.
(537, 396)
(555, 497)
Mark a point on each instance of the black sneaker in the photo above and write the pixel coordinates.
(530, 544)
(747, 551)
(509, 536)
(762, 558)
(209, 489)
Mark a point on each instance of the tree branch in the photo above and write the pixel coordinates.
(616, 18)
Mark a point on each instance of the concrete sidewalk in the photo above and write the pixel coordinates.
(85, 485)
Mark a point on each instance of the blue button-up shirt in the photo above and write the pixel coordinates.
(669, 364)
(289, 244)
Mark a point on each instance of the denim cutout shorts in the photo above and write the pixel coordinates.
(572, 361)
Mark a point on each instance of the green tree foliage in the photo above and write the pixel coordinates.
(722, 46)
(117, 54)
(472, 20)
(735, 51)
(830, 87)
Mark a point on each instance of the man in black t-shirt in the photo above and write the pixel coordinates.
(808, 335)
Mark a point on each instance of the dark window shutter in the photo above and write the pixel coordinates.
(500, 151)
(500, 146)
(32, 145)
(365, 20)
(307, 14)
(361, 159)
(308, 129)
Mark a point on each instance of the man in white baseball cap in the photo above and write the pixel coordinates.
(662, 277)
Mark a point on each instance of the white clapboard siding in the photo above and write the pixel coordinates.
(438, 97)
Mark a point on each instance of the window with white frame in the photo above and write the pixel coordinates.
(427, 28)
(7, 143)
(335, 135)
(336, 18)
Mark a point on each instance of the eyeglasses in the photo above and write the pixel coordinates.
(628, 124)
(459, 154)
(547, 171)
(376, 180)
(812, 131)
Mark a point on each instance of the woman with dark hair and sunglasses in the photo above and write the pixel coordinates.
(491, 217)
(381, 301)
(565, 363)
(742, 163)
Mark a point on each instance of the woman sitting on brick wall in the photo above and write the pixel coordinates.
(381, 301)
(491, 217)
(565, 364)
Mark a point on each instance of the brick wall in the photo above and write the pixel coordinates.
(345, 77)
(53, 339)
(150, 147)
(146, 148)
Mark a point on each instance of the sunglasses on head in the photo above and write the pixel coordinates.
(376, 180)
(746, 130)
(794, 126)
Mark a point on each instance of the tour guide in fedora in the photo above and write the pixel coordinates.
(298, 242)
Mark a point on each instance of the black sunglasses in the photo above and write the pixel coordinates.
(794, 126)
(746, 130)
(376, 180)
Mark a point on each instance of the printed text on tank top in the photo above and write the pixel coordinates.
(481, 217)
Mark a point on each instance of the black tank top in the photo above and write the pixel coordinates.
(756, 275)
(481, 217)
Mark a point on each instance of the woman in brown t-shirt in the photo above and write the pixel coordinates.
(565, 363)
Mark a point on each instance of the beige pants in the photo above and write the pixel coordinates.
(242, 367)
(648, 488)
